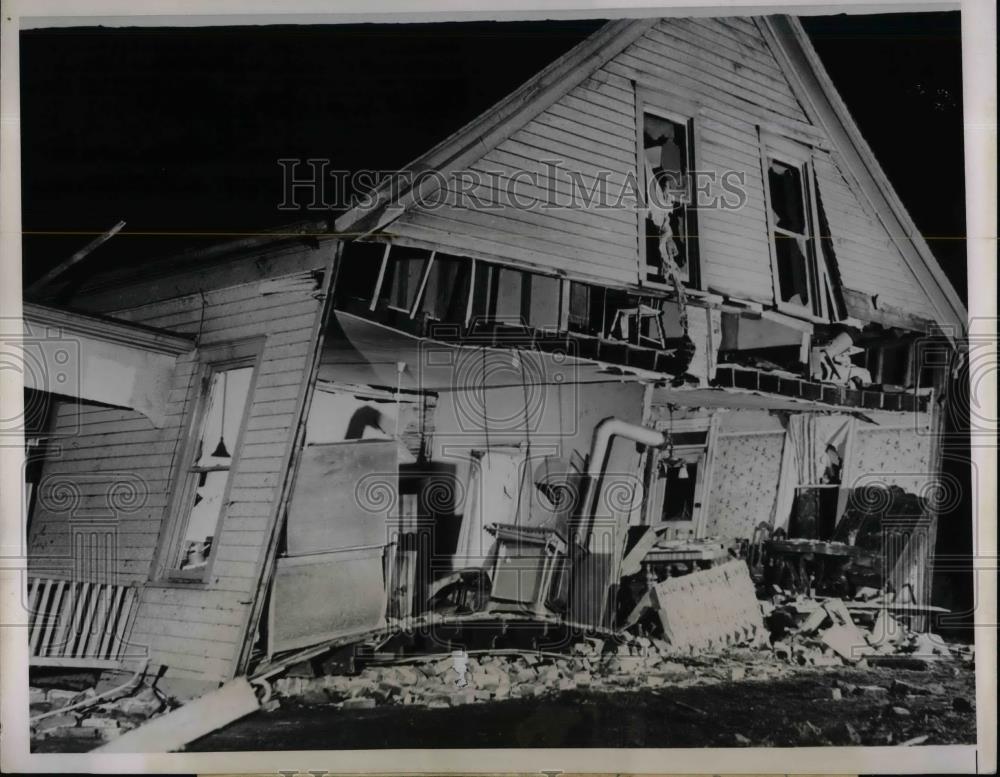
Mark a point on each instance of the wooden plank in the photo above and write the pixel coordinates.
(39, 622)
(558, 132)
(528, 144)
(717, 72)
(91, 604)
(115, 602)
(65, 662)
(193, 614)
(34, 591)
(302, 613)
(79, 606)
(65, 616)
(195, 719)
(458, 229)
(52, 616)
(225, 634)
(594, 118)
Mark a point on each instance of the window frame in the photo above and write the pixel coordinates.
(684, 114)
(211, 361)
(693, 454)
(792, 153)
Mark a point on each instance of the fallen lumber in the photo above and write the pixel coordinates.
(195, 719)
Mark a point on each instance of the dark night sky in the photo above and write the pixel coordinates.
(178, 131)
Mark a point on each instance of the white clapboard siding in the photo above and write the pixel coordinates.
(193, 630)
(726, 71)
(869, 259)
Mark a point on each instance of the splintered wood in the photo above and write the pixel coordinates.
(709, 609)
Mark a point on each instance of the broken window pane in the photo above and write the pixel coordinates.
(225, 405)
(665, 150)
(792, 235)
(793, 274)
(669, 224)
(787, 202)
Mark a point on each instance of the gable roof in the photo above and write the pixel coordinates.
(812, 88)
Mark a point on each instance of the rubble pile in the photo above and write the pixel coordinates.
(832, 632)
(58, 713)
(460, 678)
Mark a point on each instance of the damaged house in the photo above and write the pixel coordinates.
(461, 409)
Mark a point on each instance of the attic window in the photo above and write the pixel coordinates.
(791, 234)
(670, 229)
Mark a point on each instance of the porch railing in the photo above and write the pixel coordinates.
(74, 623)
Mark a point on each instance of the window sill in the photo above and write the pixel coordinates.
(196, 583)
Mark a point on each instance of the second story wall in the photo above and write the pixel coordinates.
(724, 78)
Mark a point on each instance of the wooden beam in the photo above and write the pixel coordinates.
(867, 308)
(170, 732)
(79, 256)
(108, 330)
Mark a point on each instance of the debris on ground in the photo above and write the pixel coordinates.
(832, 632)
(98, 722)
(635, 662)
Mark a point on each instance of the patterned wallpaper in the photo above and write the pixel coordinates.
(900, 457)
(744, 483)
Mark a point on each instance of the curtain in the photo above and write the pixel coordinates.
(815, 452)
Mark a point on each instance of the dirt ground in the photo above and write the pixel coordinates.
(798, 710)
